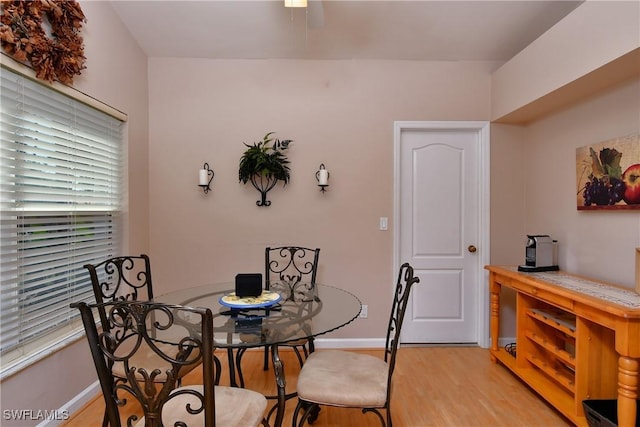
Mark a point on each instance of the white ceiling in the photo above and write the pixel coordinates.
(338, 29)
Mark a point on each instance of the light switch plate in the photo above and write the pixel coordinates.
(364, 312)
(384, 223)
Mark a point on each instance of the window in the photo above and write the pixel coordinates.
(60, 204)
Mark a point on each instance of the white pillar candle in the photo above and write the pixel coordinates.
(203, 177)
(323, 177)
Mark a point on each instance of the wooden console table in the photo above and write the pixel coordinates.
(576, 339)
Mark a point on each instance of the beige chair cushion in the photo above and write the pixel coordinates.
(235, 407)
(343, 378)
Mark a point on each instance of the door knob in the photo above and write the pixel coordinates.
(472, 248)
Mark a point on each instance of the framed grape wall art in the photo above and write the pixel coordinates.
(608, 174)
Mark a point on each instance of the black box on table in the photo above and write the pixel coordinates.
(248, 284)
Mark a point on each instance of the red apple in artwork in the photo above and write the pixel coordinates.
(631, 178)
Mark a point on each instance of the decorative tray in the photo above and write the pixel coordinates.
(266, 299)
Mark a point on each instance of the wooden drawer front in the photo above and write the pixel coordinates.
(549, 297)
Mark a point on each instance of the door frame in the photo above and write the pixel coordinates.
(484, 204)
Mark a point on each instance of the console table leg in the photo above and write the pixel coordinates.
(627, 391)
(495, 317)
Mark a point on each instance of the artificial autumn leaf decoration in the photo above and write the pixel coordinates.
(59, 55)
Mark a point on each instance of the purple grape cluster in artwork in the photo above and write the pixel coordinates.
(602, 192)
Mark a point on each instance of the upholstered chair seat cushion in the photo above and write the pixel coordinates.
(343, 378)
(234, 407)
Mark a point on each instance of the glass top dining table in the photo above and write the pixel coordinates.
(302, 312)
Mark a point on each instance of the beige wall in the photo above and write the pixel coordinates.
(507, 209)
(508, 199)
(339, 113)
(117, 75)
(594, 34)
(533, 187)
(592, 243)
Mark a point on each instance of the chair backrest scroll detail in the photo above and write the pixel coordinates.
(180, 337)
(293, 267)
(121, 278)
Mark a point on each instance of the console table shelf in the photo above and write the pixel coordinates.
(576, 339)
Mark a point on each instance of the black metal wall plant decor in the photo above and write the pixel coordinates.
(264, 164)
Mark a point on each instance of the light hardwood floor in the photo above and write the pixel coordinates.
(433, 386)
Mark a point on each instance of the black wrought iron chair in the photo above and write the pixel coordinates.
(121, 278)
(180, 338)
(355, 380)
(294, 270)
(126, 278)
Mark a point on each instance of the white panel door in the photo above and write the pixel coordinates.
(438, 208)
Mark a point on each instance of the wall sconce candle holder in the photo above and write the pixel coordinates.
(205, 176)
(322, 176)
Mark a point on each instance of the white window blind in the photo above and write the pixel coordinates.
(60, 199)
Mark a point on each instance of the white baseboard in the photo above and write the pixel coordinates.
(69, 408)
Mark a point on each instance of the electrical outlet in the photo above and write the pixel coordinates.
(363, 311)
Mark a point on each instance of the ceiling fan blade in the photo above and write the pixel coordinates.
(315, 14)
